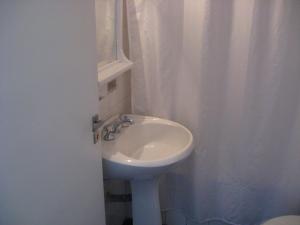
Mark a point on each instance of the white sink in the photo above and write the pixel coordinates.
(140, 153)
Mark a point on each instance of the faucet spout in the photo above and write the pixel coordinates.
(109, 131)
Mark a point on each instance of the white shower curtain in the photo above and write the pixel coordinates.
(230, 71)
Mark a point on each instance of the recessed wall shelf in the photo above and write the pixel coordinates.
(112, 70)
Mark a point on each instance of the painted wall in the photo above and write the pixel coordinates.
(117, 102)
(50, 172)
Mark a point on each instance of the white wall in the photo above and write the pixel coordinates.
(50, 173)
(118, 101)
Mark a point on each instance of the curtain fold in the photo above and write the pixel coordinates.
(229, 70)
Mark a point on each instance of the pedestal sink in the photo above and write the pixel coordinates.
(141, 153)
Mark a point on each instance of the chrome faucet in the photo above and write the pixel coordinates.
(125, 120)
(109, 131)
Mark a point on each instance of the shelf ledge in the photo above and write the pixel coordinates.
(113, 70)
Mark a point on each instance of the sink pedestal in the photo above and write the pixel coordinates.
(141, 153)
(145, 202)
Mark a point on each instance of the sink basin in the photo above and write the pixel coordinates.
(145, 149)
(140, 153)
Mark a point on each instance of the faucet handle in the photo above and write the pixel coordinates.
(109, 137)
(125, 120)
(108, 133)
(112, 128)
(116, 128)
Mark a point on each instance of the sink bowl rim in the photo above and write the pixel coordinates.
(125, 160)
